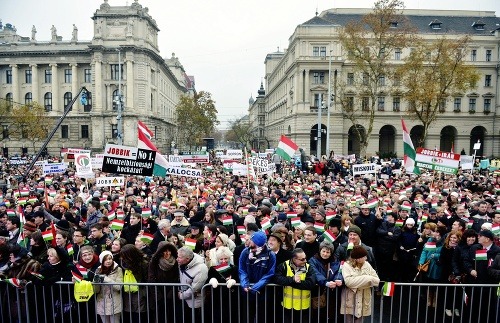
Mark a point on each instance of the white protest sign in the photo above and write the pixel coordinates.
(240, 169)
(54, 168)
(83, 165)
(96, 161)
(259, 163)
(466, 162)
(234, 154)
(186, 172)
(359, 169)
(174, 160)
(110, 181)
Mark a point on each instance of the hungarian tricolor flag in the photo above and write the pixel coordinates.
(265, 223)
(14, 282)
(83, 271)
(319, 226)
(481, 254)
(144, 142)
(372, 203)
(146, 213)
(291, 215)
(117, 224)
(329, 236)
(409, 151)
(69, 249)
(241, 229)
(191, 243)
(286, 148)
(47, 235)
(147, 238)
(430, 246)
(222, 268)
(227, 220)
(295, 222)
(388, 289)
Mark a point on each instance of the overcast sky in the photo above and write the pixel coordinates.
(222, 43)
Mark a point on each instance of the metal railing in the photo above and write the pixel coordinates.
(411, 302)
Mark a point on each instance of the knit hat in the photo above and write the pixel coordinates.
(104, 254)
(259, 238)
(224, 238)
(29, 226)
(355, 229)
(65, 204)
(358, 252)
(410, 221)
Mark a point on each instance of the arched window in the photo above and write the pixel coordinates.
(115, 98)
(28, 98)
(47, 101)
(67, 98)
(9, 98)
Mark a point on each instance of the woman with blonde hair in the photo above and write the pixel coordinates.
(359, 278)
(345, 223)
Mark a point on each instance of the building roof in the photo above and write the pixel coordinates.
(451, 21)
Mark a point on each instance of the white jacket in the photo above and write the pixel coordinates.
(194, 275)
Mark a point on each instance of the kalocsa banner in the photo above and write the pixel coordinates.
(128, 160)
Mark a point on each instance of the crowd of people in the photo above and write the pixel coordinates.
(308, 229)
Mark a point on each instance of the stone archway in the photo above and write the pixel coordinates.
(313, 141)
(353, 141)
(477, 133)
(386, 141)
(416, 134)
(447, 138)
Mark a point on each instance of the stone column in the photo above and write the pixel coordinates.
(129, 98)
(74, 80)
(35, 84)
(56, 100)
(15, 84)
(307, 94)
(97, 93)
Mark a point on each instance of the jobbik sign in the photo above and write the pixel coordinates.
(128, 160)
(436, 160)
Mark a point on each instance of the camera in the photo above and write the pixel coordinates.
(98, 278)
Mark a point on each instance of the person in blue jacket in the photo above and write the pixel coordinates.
(328, 274)
(256, 269)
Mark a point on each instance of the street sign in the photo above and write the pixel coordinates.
(440, 161)
(128, 160)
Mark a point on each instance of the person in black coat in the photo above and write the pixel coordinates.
(407, 251)
(132, 231)
(368, 222)
(387, 240)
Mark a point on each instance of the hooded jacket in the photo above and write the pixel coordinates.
(194, 274)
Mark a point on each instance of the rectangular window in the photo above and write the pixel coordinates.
(396, 103)
(64, 131)
(27, 76)
(350, 78)
(317, 100)
(349, 103)
(67, 75)
(87, 75)
(316, 51)
(473, 55)
(457, 104)
(318, 77)
(85, 130)
(8, 76)
(397, 54)
(397, 80)
(24, 132)
(48, 76)
(472, 104)
(115, 71)
(366, 78)
(5, 132)
(381, 103)
(487, 105)
(114, 131)
(315, 77)
(381, 80)
(487, 80)
(488, 55)
(442, 105)
(365, 103)
(322, 51)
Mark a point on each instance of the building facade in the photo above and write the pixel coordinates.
(121, 62)
(297, 84)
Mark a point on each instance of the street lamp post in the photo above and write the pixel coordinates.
(329, 102)
(318, 148)
(119, 127)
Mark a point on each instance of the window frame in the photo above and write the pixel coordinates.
(87, 75)
(8, 76)
(64, 131)
(68, 75)
(84, 131)
(28, 76)
(28, 98)
(47, 101)
(48, 76)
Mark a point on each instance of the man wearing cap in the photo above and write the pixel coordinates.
(354, 239)
(478, 267)
(256, 266)
(179, 224)
(275, 243)
(298, 279)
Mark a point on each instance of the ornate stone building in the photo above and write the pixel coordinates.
(125, 44)
(297, 80)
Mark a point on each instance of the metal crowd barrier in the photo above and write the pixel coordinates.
(159, 303)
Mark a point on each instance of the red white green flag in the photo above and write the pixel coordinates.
(295, 222)
(286, 148)
(191, 243)
(409, 151)
(265, 223)
(117, 224)
(329, 236)
(388, 289)
(10, 212)
(319, 226)
(241, 229)
(222, 268)
(47, 235)
(146, 213)
(430, 246)
(291, 215)
(69, 249)
(372, 203)
(481, 254)
(147, 238)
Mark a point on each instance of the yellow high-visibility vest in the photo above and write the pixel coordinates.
(297, 299)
